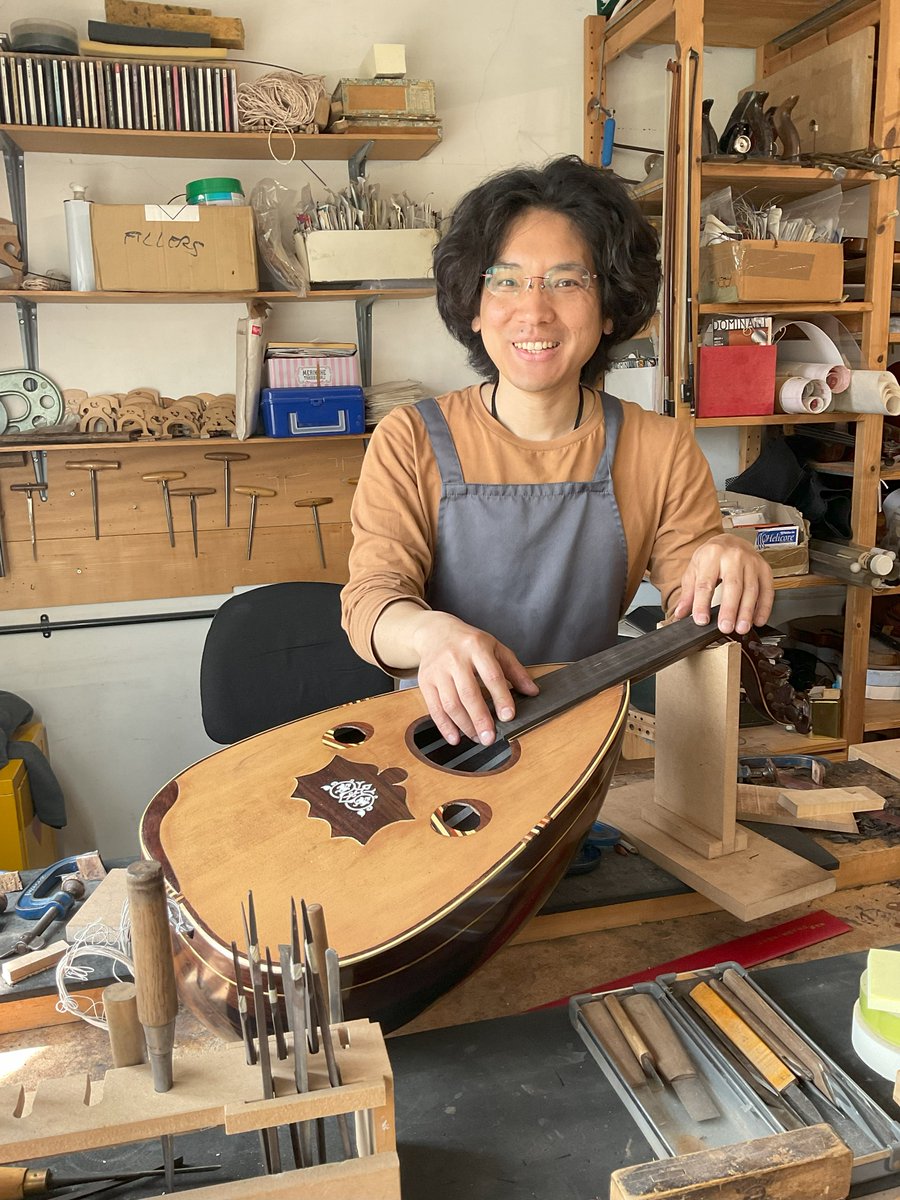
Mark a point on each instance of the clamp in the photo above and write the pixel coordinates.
(43, 894)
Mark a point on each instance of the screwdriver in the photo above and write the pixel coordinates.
(17, 1183)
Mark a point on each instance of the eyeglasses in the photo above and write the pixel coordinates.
(558, 281)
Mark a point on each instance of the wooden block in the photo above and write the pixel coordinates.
(797, 1165)
(376, 1177)
(820, 802)
(104, 905)
(10, 881)
(883, 755)
(14, 969)
(758, 803)
(225, 31)
(763, 879)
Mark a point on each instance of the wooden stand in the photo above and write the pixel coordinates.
(685, 819)
(218, 1088)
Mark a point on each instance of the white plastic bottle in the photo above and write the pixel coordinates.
(78, 236)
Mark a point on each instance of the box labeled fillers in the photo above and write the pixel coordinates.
(312, 412)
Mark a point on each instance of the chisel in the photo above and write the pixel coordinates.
(606, 1031)
(635, 1042)
(673, 1061)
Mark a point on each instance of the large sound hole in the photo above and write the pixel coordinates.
(469, 757)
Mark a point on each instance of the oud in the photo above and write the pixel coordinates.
(426, 857)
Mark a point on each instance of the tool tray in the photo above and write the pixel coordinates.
(744, 1114)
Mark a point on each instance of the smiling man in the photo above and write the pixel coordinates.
(510, 523)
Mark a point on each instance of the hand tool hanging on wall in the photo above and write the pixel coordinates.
(98, 464)
(227, 457)
(315, 503)
(193, 493)
(6, 460)
(164, 478)
(29, 489)
(154, 979)
(253, 492)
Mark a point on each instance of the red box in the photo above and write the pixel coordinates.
(736, 381)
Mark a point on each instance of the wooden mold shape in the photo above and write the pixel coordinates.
(823, 802)
(213, 1088)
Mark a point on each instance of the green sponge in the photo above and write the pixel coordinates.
(883, 971)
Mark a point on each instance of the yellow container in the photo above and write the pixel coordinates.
(25, 842)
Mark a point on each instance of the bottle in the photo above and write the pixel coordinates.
(78, 236)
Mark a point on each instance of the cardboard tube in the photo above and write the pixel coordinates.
(798, 395)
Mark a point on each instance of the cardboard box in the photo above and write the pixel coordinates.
(174, 248)
(315, 365)
(379, 255)
(783, 559)
(769, 271)
(312, 412)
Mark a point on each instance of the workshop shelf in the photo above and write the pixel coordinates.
(67, 297)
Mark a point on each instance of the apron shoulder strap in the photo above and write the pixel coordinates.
(612, 424)
(441, 441)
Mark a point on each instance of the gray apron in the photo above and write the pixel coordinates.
(543, 566)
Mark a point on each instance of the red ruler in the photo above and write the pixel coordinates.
(749, 951)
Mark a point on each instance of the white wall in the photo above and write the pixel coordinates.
(121, 705)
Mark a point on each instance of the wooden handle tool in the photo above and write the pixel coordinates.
(226, 458)
(759, 1028)
(315, 503)
(29, 489)
(164, 478)
(597, 1018)
(739, 1033)
(92, 467)
(192, 493)
(154, 972)
(801, 1049)
(636, 1043)
(253, 493)
(672, 1060)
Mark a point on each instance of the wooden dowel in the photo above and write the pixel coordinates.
(126, 1037)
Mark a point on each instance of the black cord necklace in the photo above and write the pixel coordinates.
(577, 415)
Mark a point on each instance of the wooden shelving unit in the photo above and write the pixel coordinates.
(318, 296)
(689, 26)
(403, 145)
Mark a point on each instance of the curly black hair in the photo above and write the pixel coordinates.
(623, 244)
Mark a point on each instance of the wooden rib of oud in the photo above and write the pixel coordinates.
(685, 819)
(218, 1088)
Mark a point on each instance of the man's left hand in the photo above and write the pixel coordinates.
(747, 590)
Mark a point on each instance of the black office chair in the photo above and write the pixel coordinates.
(278, 653)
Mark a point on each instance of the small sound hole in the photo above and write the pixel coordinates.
(459, 818)
(349, 735)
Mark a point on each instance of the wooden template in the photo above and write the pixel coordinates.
(823, 802)
(685, 819)
(760, 804)
(218, 1088)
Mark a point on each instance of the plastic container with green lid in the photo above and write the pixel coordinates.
(215, 191)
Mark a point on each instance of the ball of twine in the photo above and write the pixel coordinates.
(280, 100)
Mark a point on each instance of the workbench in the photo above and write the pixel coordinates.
(515, 1107)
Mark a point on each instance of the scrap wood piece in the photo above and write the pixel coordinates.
(224, 31)
(14, 969)
(784, 1166)
(90, 865)
(883, 755)
(10, 881)
(102, 907)
(822, 801)
(758, 803)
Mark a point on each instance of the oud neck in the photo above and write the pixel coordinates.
(633, 660)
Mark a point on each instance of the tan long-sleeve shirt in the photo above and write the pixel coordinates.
(663, 487)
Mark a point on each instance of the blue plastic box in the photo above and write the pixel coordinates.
(312, 412)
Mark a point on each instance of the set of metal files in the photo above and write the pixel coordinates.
(312, 1005)
(164, 478)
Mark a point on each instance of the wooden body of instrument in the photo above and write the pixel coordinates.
(424, 871)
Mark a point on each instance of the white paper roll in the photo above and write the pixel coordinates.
(836, 375)
(798, 395)
(870, 392)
